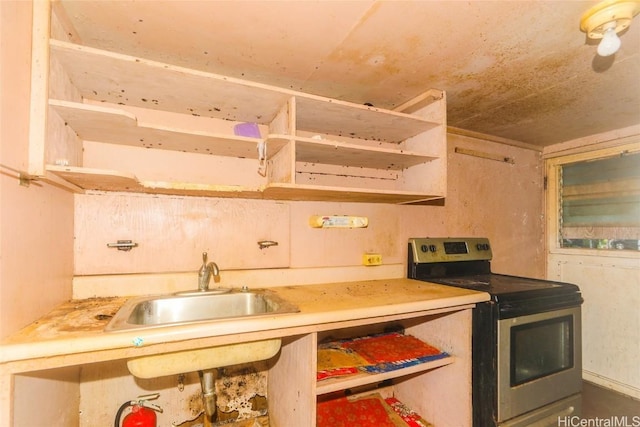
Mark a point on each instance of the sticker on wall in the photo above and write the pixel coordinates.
(338, 221)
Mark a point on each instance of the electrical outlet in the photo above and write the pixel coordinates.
(372, 259)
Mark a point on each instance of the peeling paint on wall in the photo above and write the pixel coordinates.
(242, 392)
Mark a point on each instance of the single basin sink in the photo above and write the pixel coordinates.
(193, 307)
(181, 362)
(157, 311)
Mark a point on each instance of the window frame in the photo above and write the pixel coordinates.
(553, 204)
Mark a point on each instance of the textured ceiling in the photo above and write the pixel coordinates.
(518, 70)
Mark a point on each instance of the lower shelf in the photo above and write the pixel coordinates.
(371, 359)
(81, 179)
(109, 180)
(373, 409)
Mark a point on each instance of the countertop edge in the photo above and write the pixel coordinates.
(126, 341)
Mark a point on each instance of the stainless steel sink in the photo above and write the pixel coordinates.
(158, 311)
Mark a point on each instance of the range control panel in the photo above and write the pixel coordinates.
(450, 249)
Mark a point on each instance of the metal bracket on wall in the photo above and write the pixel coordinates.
(496, 157)
(123, 245)
(24, 179)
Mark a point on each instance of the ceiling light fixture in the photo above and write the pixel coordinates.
(605, 20)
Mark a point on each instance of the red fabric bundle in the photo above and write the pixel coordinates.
(365, 412)
(392, 347)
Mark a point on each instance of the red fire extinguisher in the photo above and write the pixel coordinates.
(143, 413)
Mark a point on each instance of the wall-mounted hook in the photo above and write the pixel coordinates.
(181, 382)
(263, 244)
(123, 245)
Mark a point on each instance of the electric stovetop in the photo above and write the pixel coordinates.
(503, 287)
(465, 263)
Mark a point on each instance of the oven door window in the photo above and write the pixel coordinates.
(540, 349)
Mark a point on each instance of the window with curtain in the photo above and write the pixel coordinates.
(600, 203)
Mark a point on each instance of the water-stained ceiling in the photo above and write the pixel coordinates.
(516, 70)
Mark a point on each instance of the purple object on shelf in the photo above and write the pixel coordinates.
(247, 129)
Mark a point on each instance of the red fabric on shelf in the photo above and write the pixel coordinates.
(408, 416)
(391, 348)
(342, 412)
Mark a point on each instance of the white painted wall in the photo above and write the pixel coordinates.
(498, 200)
(36, 221)
(610, 317)
(486, 198)
(609, 281)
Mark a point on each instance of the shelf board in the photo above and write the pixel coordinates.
(284, 191)
(110, 180)
(91, 179)
(331, 116)
(115, 126)
(107, 76)
(344, 154)
(341, 383)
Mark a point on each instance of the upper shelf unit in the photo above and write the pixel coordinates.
(105, 107)
(121, 79)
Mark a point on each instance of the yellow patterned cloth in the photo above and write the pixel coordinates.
(337, 362)
(334, 358)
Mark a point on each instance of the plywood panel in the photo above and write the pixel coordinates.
(610, 316)
(292, 382)
(36, 244)
(451, 404)
(345, 246)
(15, 56)
(60, 397)
(172, 233)
(173, 168)
(501, 201)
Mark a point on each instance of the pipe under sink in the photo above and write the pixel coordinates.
(207, 383)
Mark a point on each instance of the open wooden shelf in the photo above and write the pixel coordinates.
(113, 126)
(324, 115)
(345, 154)
(317, 148)
(438, 389)
(111, 180)
(280, 191)
(116, 78)
(112, 77)
(356, 380)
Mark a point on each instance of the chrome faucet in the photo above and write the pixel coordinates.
(204, 274)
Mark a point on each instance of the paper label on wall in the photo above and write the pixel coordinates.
(338, 221)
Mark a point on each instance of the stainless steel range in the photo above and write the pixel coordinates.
(527, 361)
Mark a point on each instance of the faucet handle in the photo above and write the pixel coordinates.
(204, 257)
